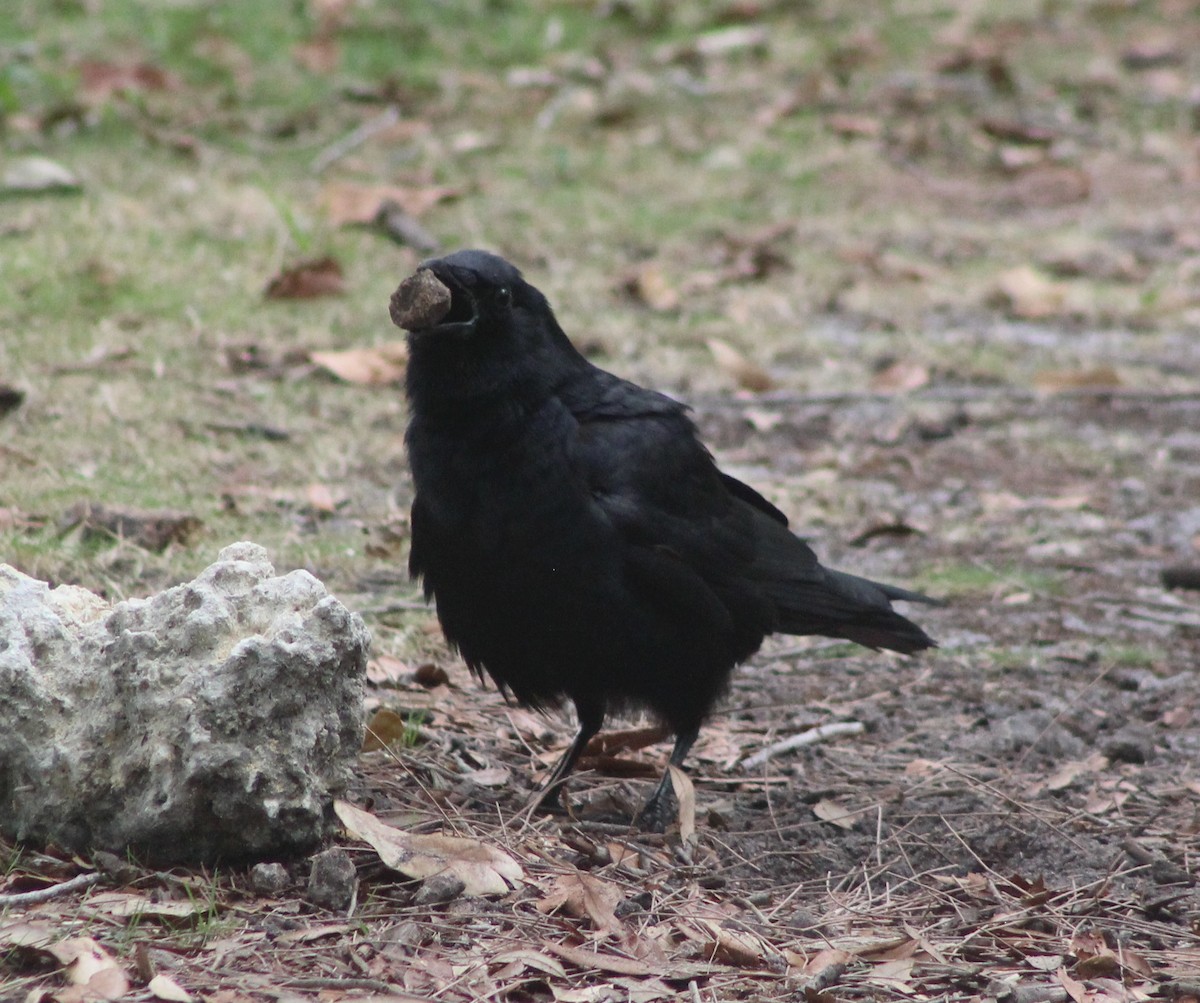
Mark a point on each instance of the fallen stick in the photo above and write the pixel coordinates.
(53, 891)
(355, 138)
(834, 729)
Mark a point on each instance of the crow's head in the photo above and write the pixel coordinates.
(465, 294)
(476, 327)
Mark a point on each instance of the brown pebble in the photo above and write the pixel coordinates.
(419, 302)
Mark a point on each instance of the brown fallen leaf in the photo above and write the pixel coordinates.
(586, 959)
(526, 958)
(494, 776)
(100, 80)
(1075, 989)
(585, 897)
(124, 905)
(854, 126)
(151, 529)
(318, 55)
(308, 280)
(647, 285)
(1046, 185)
(685, 795)
(1057, 380)
(748, 375)
(386, 670)
(628, 740)
(1027, 294)
(164, 987)
(93, 973)
(828, 810)
(348, 203)
(900, 376)
(1013, 130)
(731, 947)
(377, 366)
(386, 728)
(483, 869)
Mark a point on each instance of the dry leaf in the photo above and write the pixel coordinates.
(1068, 773)
(100, 80)
(1044, 186)
(123, 905)
(828, 810)
(385, 728)
(618, 989)
(386, 669)
(626, 740)
(1096, 378)
(901, 375)
(152, 530)
(923, 768)
(1013, 130)
(584, 896)
(825, 958)
(685, 795)
(483, 870)
(603, 962)
(308, 280)
(730, 947)
(649, 286)
(530, 959)
(1025, 293)
(893, 974)
(851, 126)
(377, 366)
(319, 55)
(749, 375)
(164, 987)
(93, 972)
(1074, 988)
(492, 776)
(350, 203)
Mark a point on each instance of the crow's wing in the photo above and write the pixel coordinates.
(684, 521)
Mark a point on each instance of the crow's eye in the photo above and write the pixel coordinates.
(504, 295)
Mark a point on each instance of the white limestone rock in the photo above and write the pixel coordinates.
(215, 720)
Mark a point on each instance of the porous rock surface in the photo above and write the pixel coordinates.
(215, 720)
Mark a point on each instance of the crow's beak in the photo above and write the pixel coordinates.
(463, 310)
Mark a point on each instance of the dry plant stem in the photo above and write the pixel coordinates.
(354, 139)
(77, 883)
(834, 729)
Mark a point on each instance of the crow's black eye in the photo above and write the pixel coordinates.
(504, 295)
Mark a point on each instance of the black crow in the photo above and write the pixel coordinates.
(578, 539)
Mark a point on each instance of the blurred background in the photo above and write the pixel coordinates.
(912, 204)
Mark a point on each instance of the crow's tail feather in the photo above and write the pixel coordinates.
(857, 609)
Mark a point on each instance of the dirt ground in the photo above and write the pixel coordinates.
(1027, 790)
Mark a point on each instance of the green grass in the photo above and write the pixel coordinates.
(963, 579)
(119, 305)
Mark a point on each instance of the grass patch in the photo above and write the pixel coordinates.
(960, 579)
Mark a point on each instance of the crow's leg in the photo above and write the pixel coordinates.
(591, 719)
(659, 808)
